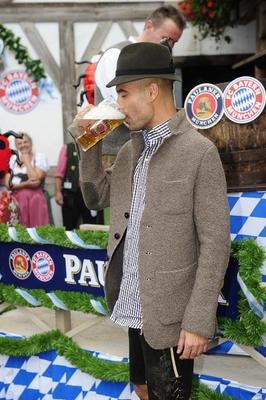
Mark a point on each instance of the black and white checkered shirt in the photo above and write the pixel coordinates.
(127, 310)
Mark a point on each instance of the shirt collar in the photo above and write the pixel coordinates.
(156, 133)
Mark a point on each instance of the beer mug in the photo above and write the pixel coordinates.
(98, 122)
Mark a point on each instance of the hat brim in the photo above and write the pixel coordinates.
(130, 78)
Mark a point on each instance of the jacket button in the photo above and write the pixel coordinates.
(126, 215)
(116, 236)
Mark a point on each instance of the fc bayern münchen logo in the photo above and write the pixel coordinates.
(244, 99)
(19, 263)
(42, 266)
(18, 93)
(204, 106)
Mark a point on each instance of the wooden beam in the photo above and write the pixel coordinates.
(42, 50)
(258, 59)
(77, 12)
(128, 28)
(261, 22)
(96, 42)
(63, 320)
(67, 51)
(4, 2)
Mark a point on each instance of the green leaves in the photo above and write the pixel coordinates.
(56, 235)
(33, 67)
(249, 329)
(211, 17)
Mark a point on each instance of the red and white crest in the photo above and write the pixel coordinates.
(244, 99)
(18, 93)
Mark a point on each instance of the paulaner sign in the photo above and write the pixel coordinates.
(50, 268)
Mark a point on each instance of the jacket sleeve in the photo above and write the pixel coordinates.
(211, 218)
(94, 179)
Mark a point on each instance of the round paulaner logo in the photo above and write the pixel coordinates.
(18, 93)
(19, 263)
(244, 99)
(42, 266)
(204, 106)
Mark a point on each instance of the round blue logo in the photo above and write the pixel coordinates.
(204, 106)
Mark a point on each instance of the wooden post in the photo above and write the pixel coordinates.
(63, 320)
(67, 56)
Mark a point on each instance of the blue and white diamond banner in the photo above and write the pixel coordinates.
(248, 218)
(48, 376)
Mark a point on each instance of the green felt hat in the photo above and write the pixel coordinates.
(144, 60)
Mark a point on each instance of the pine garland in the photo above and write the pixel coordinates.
(56, 235)
(33, 67)
(74, 301)
(65, 347)
(203, 392)
(84, 361)
(249, 329)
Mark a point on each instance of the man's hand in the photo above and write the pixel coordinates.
(59, 198)
(191, 345)
(25, 158)
(83, 125)
(84, 111)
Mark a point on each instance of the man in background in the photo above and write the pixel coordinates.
(165, 23)
(67, 191)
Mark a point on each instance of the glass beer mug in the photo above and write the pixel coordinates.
(98, 122)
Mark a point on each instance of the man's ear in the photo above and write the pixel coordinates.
(153, 91)
(148, 25)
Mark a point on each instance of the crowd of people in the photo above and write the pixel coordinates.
(23, 197)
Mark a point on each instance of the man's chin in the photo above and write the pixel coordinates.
(133, 127)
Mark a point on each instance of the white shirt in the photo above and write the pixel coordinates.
(127, 310)
(39, 160)
(106, 68)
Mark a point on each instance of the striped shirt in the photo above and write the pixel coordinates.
(127, 310)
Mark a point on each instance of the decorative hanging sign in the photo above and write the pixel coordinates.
(18, 93)
(204, 106)
(244, 99)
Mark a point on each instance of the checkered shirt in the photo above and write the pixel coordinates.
(127, 310)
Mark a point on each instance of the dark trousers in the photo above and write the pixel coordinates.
(75, 212)
(159, 369)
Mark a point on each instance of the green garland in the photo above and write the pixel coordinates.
(65, 347)
(249, 329)
(74, 301)
(56, 235)
(33, 67)
(84, 361)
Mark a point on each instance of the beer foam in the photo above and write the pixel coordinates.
(104, 111)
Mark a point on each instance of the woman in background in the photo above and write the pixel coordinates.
(27, 183)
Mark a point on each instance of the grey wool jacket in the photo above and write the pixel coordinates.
(184, 240)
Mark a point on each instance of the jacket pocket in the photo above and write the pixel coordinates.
(175, 196)
(173, 291)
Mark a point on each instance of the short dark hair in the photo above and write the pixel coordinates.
(168, 11)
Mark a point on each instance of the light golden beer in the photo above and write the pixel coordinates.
(98, 122)
(95, 133)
